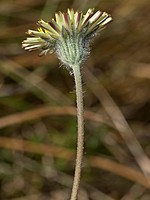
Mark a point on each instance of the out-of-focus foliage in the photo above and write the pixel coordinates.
(44, 93)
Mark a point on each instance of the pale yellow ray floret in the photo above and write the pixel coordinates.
(72, 24)
(47, 26)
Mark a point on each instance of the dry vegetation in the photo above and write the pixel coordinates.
(37, 113)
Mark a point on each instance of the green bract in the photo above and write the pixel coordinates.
(68, 34)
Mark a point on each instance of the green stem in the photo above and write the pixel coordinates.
(80, 136)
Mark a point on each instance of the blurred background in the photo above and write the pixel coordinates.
(38, 115)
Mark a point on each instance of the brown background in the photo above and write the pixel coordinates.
(37, 113)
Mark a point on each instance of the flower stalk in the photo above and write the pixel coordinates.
(80, 135)
(69, 36)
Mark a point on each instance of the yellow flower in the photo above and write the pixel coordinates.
(68, 34)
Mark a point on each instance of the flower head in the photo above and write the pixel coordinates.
(67, 34)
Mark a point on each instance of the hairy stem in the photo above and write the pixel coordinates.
(80, 135)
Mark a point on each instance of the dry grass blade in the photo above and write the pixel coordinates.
(59, 152)
(119, 122)
(38, 113)
(33, 83)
